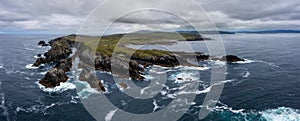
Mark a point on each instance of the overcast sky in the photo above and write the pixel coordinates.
(66, 16)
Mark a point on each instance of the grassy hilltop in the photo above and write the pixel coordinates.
(107, 44)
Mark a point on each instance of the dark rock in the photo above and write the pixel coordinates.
(135, 71)
(39, 61)
(231, 58)
(179, 79)
(53, 78)
(202, 57)
(61, 49)
(64, 64)
(123, 85)
(101, 86)
(42, 43)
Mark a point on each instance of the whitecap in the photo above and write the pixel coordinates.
(172, 96)
(205, 90)
(3, 107)
(27, 78)
(86, 90)
(218, 62)
(58, 89)
(43, 73)
(29, 66)
(143, 90)
(268, 63)
(191, 68)
(38, 108)
(163, 92)
(147, 77)
(225, 107)
(155, 106)
(110, 114)
(245, 62)
(246, 75)
(185, 77)
(281, 114)
(74, 99)
(27, 48)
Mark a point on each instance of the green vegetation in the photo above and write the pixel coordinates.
(116, 43)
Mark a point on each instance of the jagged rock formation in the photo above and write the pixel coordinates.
(53, 77)
(125, 65)
(61, 48)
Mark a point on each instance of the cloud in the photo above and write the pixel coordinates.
(68, 15)
(47, 15)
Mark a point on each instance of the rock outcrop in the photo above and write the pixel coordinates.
(54, 77)
(134, 66)
(231, 58)
(43, 43)
(61, 48)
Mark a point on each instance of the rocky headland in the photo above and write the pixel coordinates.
(62, 56)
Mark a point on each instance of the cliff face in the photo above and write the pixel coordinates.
(61, 49)
(122, 61)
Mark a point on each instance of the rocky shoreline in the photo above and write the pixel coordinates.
(61, 55)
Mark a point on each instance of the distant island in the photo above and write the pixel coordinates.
(268, 31)
(244, 31)
(62, 55)
(208, 32)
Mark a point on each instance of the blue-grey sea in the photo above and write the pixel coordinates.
(266, 87)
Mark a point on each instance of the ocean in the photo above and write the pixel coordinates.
(266, 87)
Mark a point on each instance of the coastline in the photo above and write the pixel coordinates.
(124, 59)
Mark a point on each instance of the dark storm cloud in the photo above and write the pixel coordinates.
(253, 9)
(68, 15)
(44, 14)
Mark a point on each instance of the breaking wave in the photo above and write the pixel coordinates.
(245, 62)
(58, 89)
(29, 66)
(279, 114)
(84, 90)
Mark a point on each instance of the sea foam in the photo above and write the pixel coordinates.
(281, 114)
(29, 66)
(58, 89)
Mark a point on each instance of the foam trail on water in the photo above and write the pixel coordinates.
(246, 75)
(86, 90)
(155, 106)
(110, 114)
(29, 66)
(58, 89)
(191, 68)
(206, 90)
(245, 62)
